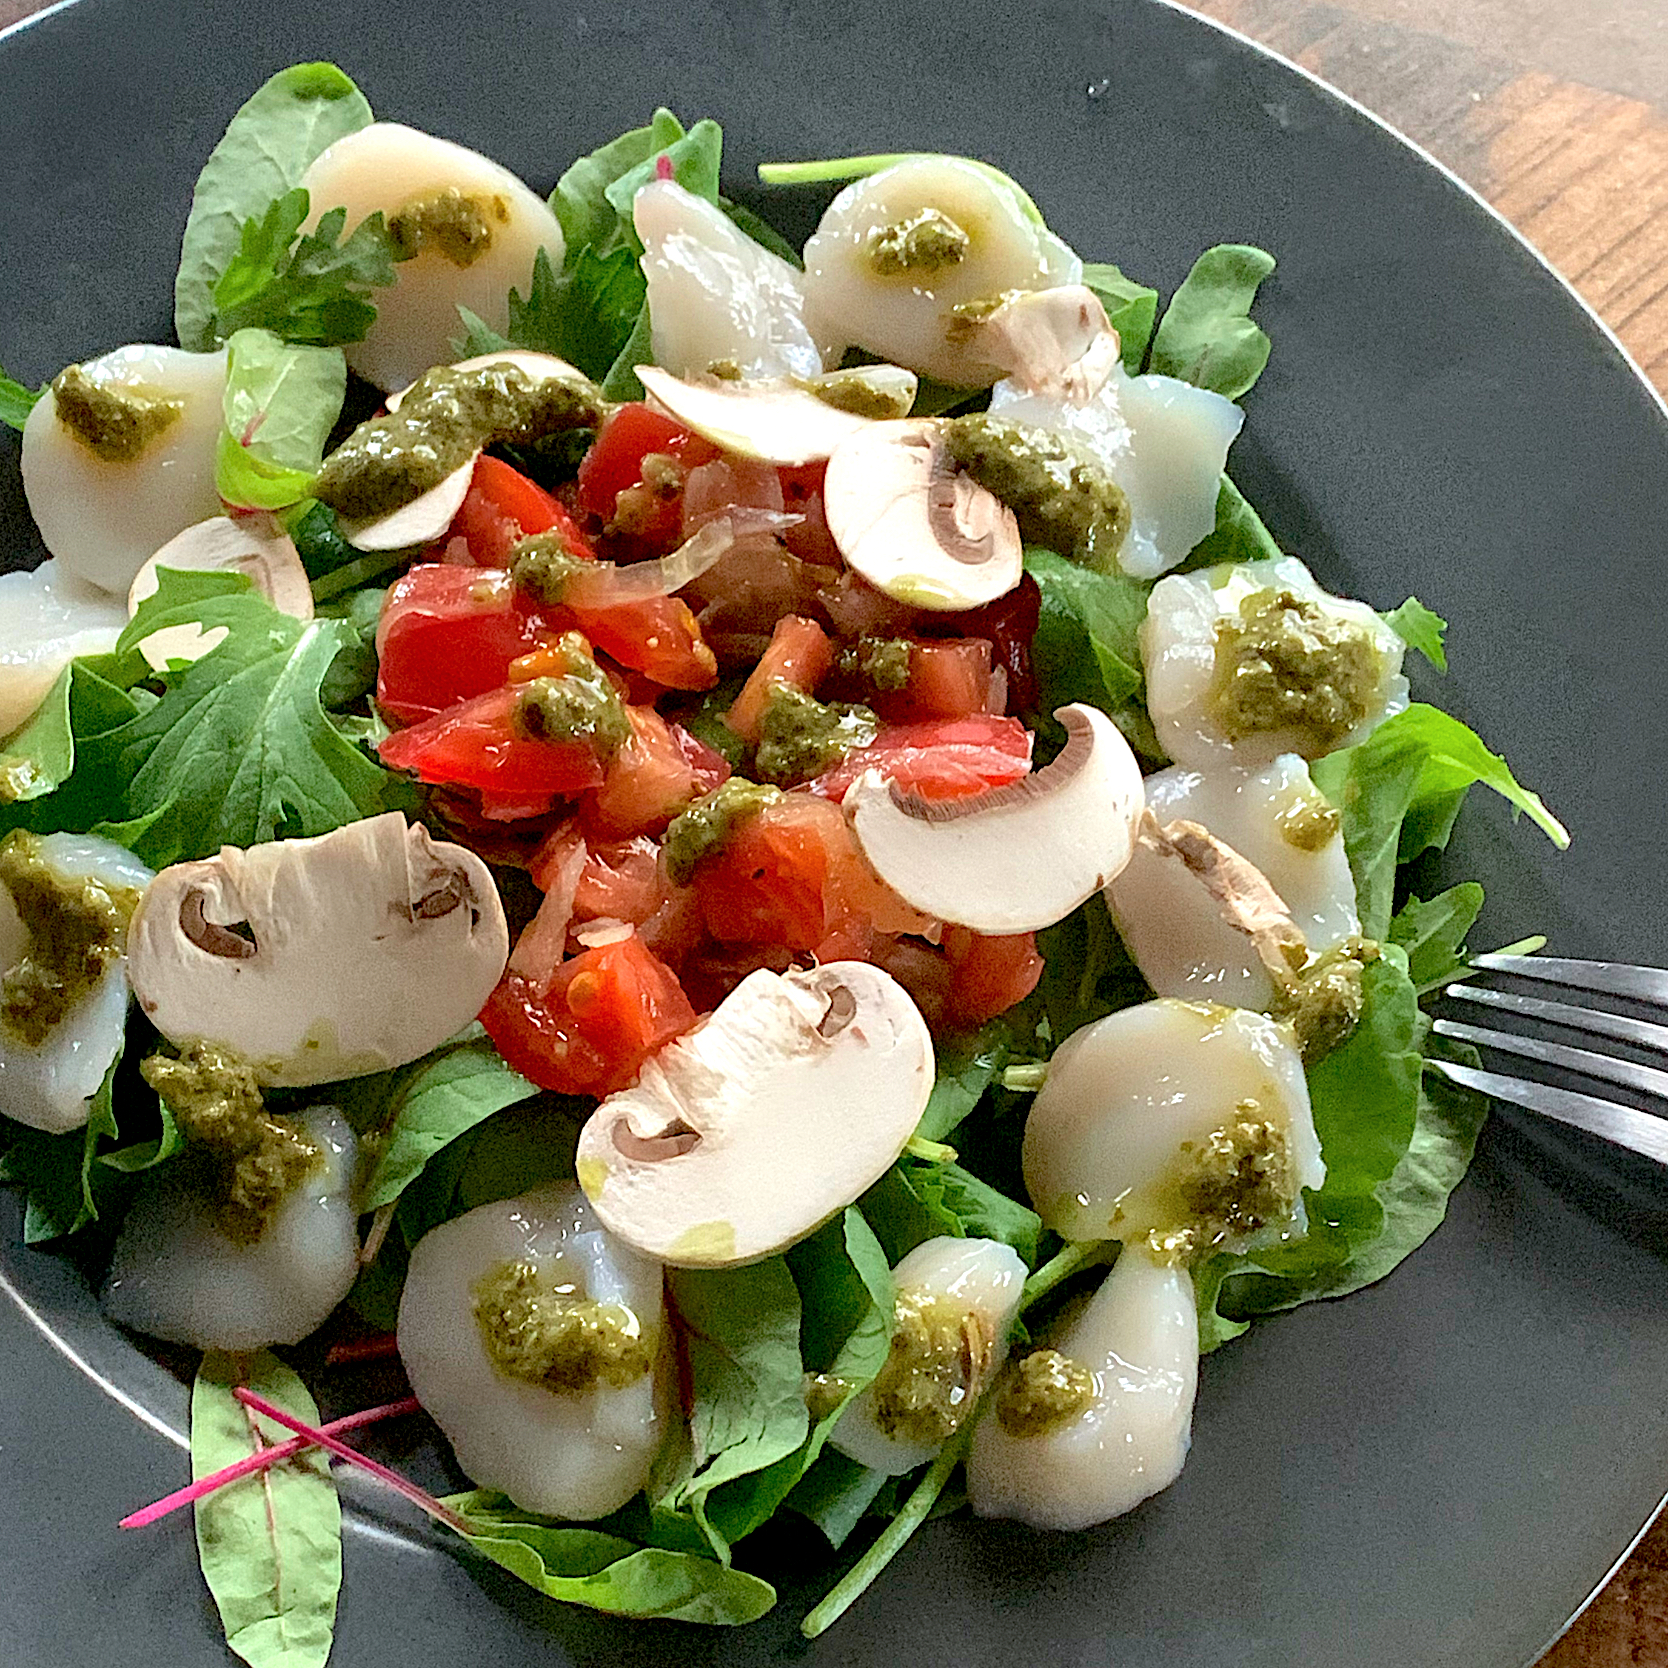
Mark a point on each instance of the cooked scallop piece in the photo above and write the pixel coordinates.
(468, 230)
(1246, 661)
(119, 457)
(1277, 820)
(1089, 1427)
(178, 1274)
(956, 1300)
(535, 1340)
(65, 902)
(897, 253)
(717, 298)
(47, 618)
(1163, 441)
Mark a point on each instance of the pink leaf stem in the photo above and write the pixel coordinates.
(351, 1351)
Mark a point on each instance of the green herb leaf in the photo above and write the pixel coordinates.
(580, 201)
(1206, 336)
(1433, 934)
(838, 169)
(317, 536)
(280, 404)
(966, 1064)
(1238, 536)
(270, 1544)
(622, 382)
(694, 156)
(1420, 629)
(836, 1494)
(17, 401)
(1085, 648)
(1131, 309)
(1087, 971)
(268, 146)
(979, 1210)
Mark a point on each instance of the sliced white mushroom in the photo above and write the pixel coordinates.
(321, 959)
(1138, 1340)
(717, 298)
(1180, 1124)
(47, 618)
(1279, 822)
(536, 367)
(1162, 440)
(46, 1079)
(896, 253)
(1188, 644)
(956, 1301)
(253, 545)
(107, 492)
(914, 525)
(475, 227)
(573, 1453)
(1014, 858)
(777, 421)
(175, 1274)
(1056, 343)
(746, 1134)
(422, 521)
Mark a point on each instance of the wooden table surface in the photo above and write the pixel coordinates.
(1558, 115)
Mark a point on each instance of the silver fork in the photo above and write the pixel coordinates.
(1626, 1126)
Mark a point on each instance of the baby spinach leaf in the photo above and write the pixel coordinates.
(1433, 934)
(16, 401)
(268, 146)
(622, 382)
(1206, 336)
(1085, 647)
(281, 400)
(270, 1544)
(1420, 629)
(836, 1494)
(1131, 310)
(966, 1064)
(1087, 972)
(580, 201)
(694, 157)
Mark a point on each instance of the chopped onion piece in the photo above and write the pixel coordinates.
(603, 585)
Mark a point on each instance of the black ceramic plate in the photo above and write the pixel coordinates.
(1435, 1472)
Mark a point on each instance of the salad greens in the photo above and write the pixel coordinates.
(282, 399)
(16, 401)
(1207, 336)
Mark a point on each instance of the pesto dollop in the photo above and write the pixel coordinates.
(916, 247)
(637, 510)
(1060, 497)
(967, 316)
(801, 737)
(445, 418)
(579, 703)
(75, 927)
(824, 1392)
(1285, 663)
(546, 1334)
(940, 1357)
(851, 391)
(1239, 1181)
(454, 226)
(1308, 823)
(881, 662)
(1322, 1001)
(114, 422)
(542, 566)
(247, 1160)
(702, 829)
(1042, 1393)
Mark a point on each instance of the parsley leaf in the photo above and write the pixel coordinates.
(1420, 629)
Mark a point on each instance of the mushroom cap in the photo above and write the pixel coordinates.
(254, 546)
(913, 525)
(1056, 342)
(324, 958)
(1015, 858)
(749, 1132)
(422, 521)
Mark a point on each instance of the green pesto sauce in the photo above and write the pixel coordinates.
(578, 704)
(447, 416)
(18, 778)
(75, 929)
(1239, 1182)
(1288, 664)
(1323, 1001)
(1042, 1393)
(881, 662)
(541, 566)
(850, 391)
(940, 1355)
(454, 226)
(702, 830)
(546, 1335)
(249, 1160)
(967, 316)
(116, 423)
(637, 510)
(824, 1392)
(801, 737)
(1061, 498)
(1308, 823)
(918, 247)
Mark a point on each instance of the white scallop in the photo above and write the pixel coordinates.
(905, 318)
(1163, 441)
(387, 166)
(1169, 921)
(984, 1276)
(47, 618)
(1139, 1336)
(574, 1456)
(48, 1087)
(175, 1275)
(104, 520)
(1178, 647)
(1129, 1100)
(716, 296)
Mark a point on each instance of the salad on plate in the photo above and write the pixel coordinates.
(746, 857)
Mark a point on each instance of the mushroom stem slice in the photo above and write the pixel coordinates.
(1057, 343)
(422, 521)
(1018, 857)
(746, 1134)
(913, 525)
(254, 546)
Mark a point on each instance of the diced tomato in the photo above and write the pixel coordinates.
(475, 745)
(946, 760)
(799, 654)
(503, 507)
(1011, 625)
(446, 634)
(604, 1012)
(650, 779)
(614, 465)
(621, 881)
(554, 857)
(658, 637)
(947, 679)
(988, 975)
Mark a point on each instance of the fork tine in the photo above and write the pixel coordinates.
(1642, 984)
(1602, 1067)
(1594, 1021)
(1622, 1125)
